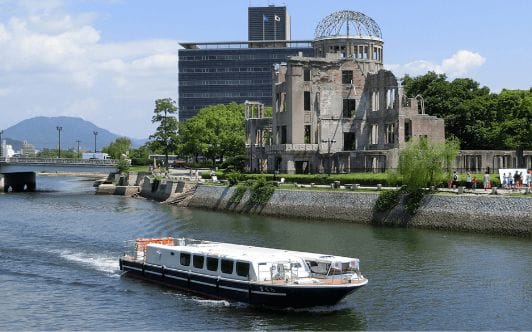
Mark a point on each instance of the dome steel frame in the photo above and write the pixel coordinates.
(355, 23)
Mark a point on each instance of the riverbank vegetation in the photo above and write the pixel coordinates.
(261, 192)
(389, 179)
(480, 119)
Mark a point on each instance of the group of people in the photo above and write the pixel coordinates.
(516, 181)
(509, 181)
(471, 181)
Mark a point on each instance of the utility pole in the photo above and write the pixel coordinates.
(95, 134)
(329, 142)
(1, 143)
(59, 146)
(78, 141)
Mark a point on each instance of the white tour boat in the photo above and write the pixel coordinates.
(255, 275)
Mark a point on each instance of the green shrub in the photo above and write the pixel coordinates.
(412, 200)
(234, 178)
(387, 200)
(239, 192)
(123, 166)
(323, 179)
(261, 192)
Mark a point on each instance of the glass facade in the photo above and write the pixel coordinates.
(268, 23)
(220, 73)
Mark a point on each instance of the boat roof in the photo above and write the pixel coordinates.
(238, 251)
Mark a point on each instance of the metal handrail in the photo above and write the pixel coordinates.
(56, 161)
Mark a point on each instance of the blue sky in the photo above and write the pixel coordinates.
(108, 60)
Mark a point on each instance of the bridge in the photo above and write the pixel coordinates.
(19, 173)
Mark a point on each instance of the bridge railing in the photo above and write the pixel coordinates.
(62, 161)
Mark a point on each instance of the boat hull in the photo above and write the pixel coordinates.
(272, 295)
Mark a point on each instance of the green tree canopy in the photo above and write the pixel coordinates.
(422, 163)
(164, 140)
(140, 156)
(216, 132)
(119, 148)
(478, 118)
(53, 153)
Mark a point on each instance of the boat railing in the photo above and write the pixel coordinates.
(281, 271)
(136, 249)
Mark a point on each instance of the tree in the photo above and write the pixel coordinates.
(140, 156)
(119, 148)
(216, 132)
(53, 153)
(422, 163)
(478, 118)
(165, 137)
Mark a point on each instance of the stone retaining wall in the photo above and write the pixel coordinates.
(292, 203)
(487, 214)
(164, 190)
(493, 214)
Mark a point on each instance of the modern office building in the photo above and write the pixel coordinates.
(224, 72)
(235, 71)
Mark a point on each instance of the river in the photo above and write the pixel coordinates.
(59, 270)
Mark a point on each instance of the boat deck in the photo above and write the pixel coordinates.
(316, 282)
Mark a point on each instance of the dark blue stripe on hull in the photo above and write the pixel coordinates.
(233, 290)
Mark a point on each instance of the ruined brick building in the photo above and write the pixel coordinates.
(338, 111)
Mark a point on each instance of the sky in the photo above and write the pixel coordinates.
(107, 61)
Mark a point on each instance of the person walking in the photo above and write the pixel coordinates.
(455, 179)
(486, 181)
(468, 180)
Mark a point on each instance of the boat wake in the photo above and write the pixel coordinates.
(101, 263)
(203, 301)
(212, 303)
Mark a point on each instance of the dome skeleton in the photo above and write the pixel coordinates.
(361, 24)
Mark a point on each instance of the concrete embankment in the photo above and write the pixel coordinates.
(493, 214)
(343, 206)
(486, 214)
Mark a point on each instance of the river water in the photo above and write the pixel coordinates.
(59, 270)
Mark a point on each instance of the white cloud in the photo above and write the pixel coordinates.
(460, 63)
(59, 66)
(4, 92)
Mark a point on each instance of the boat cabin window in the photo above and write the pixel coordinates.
(242, 269)
(212, 264)
(184, 259)
(227, 266)
(311, 263)
(197, 261)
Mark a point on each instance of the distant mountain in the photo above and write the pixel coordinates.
(42, 133)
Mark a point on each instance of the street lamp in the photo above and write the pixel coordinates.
(1, 143)
(59, 133)
(95, 134)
